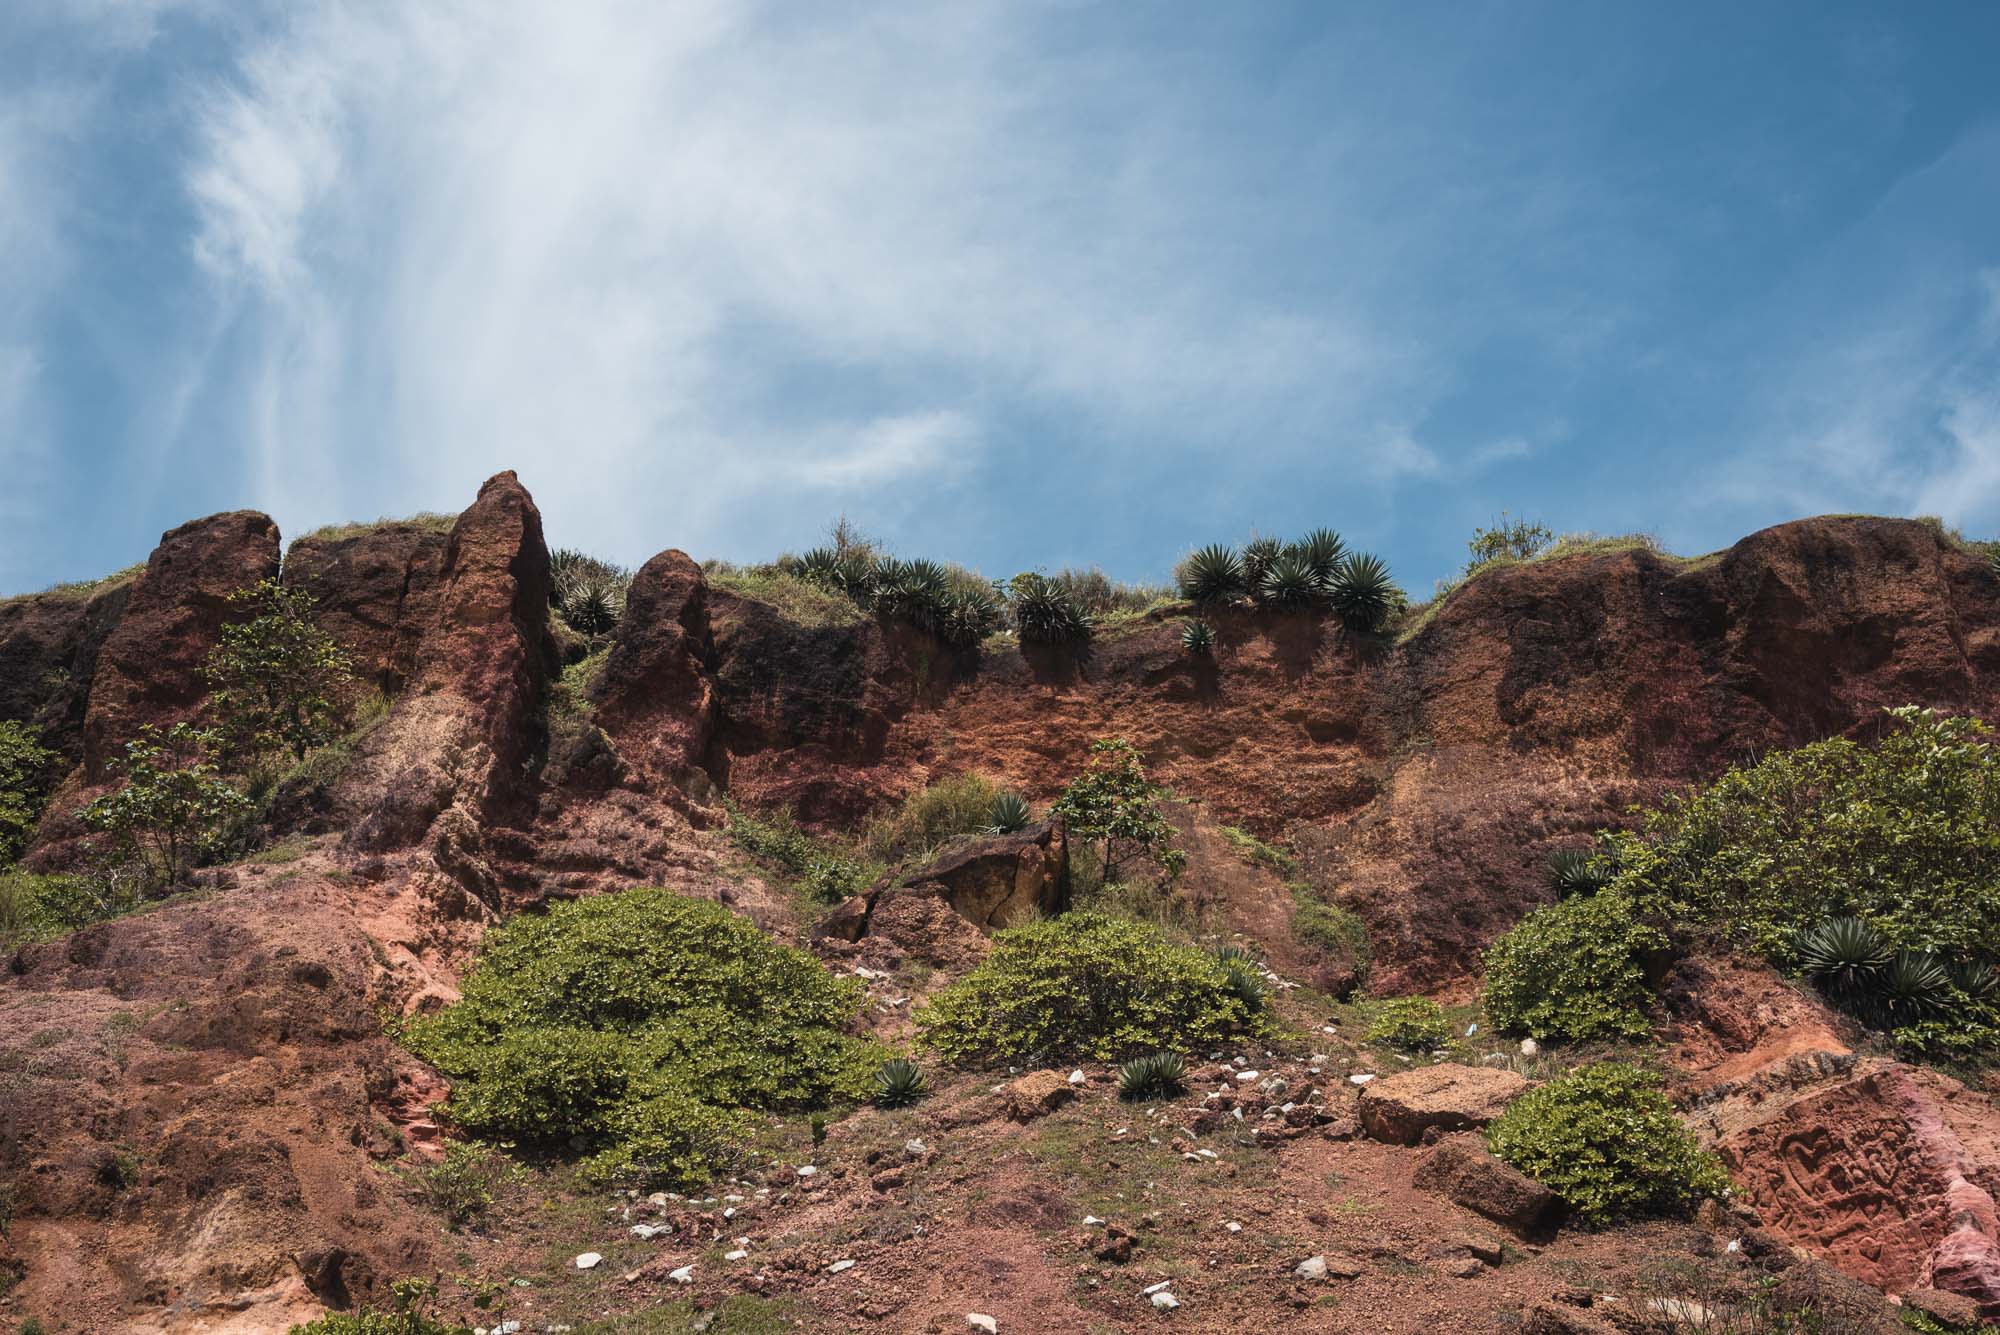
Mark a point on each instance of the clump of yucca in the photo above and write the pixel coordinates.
(898, 1084)
(1292, 583)
(588, 594)
(1198, 638)
(1576, 872)
(1258, 554)
(1363, 593)
(1211, 574)
(1009, 814)
(1157, 1075)
(1046, 613)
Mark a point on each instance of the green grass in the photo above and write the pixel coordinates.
(80, 589)
(1258, 853)
(1419, 615)
(429, 520)
(806, 604)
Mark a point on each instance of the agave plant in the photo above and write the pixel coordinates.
(898, 1084)
(1258, 553)
(968, 616)
(1228, 952)
(1245, 983)
(1198, 638)
(1576, 872)
(1914, 986)
(1157, 1075)
(849, 573)
(1044, 612)
(1009, 814)
(1321, 549)
(1976, 980)
(1363, 593)
(592, 604)
(1844, 957)
(1211, 574)
(1291, 583)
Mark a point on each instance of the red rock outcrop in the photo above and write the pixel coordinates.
(656, 700)
(49, 643)
(372, 587)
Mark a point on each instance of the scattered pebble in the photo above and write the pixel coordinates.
(1529, 1047)
(1361, 1078)
(839, 1266)
(1161, 1287)
(646, 1232)
(1313, 1267)
(807, 1170)
(1092, 1221)
(685, 1275)
(1233, 1226)
(736, 1255)
(588, 1261)
(916, 1149)
(1077, 1077)
(1166, 1302)
(1245, 1077)
(981, 1321)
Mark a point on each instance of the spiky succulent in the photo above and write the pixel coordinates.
(898, 1084)
(591, 603)
(1198, 638)
(1291, 583)
(1914, 986)
(1258, 553)
(1211, 574)
(849, 573)
(1976, 980)
(1009, 814)
(1229, 952)
(1157, 1075)
(1045, 613)
(1321, 550)
(1576, 872)
(968, 616)
(1245, 983)
(1843, 957)
(1363, 593)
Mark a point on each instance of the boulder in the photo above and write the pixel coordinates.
(656, 699)
(1948, 1309)
(1400, 1108)
(996, 881)
(1966, 1264)
(1461, 1169)
(149, 670)
(1549, 1318)
(371, 585)
(49, 644)
(1035, 1095)
(1817, 1290)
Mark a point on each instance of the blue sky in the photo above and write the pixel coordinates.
(1016, 284)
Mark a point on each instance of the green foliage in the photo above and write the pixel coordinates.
(1903, 833)
(1258, 853)
(587, 593)
(460, 1185)
(174, 804)
(277, 681)
(1575, 969)
(1333, 931)
(1009, 814)
(1408, 1024)
(413, 1311)
(1604, 1138)
(1114, 804)
(1198, 638)
(25, 770)
(815, 866)
(1084, 985)
(1157, 1075)
(1258, 554)
(1320, 551)
(1212, 574)
(1515, 539)
(898, 1083)
(1844, 957)
(1044, 612)
(1576, 872)
(637, 1023)
(1100, 596)
(36, 906)
(1363, 594)
(932, 817)
(1292, 583)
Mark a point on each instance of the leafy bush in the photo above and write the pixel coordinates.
(1083, 985)
(815, 866)
(637, 1023)
(24, 780)
(1515, 539)
(277, 681)
(1333, 931)
(460, 1185)
(1575, 969)
(1604, 1138)
(1099, 595)
(1363, 593)
(898, 1083)
(413, 1312)
(1903, 833)
(35, 907)
(1157, 1075)
(1211, 574)
(932, 817)
(1114, 804)
(174, 804)
(1198, 638)
(1009, 814)
(1044, 612)
(1408, 1024)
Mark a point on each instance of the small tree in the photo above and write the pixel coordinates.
(278, 679)
(24, 768)
(1515, 539)
(174, 803)
(1113, 803)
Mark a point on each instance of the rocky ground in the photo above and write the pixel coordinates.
(207, 1129)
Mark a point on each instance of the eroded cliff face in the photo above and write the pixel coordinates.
(1422, 784)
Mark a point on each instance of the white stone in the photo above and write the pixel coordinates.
(658, 1198)
(1161, 1287)
(807, 1170)
(1472, 1029)
(839, 1266)
(1245, 1077)
(684, 1275)
(588, 1260)
(1313, 1267)
(1092, 1221)
(981, 1321)
(1077, 1077)
(1361, 1079)
(1166, 1302)
(1233, 1226)
(1529, 1047)
(736, 1255)
(645, 1232)
(915, 1149)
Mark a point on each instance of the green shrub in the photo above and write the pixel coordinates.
(1333, 931)
(1157, 1075)
(1292, 584)
(25, 771)
(1044, 612)
(1408, 1024)
(36, 906)
(1115, 806)
(1198, 639)
(1084, 985)
(413, 1312)
(1575, 872)
(817, 867)
(638, 1023)
(1321, 551)
(1575, 969)
(1511, 540)
(1605, 1139)
(1211, 574)
(174, 806)
(1258, 554)
(932, 817)
(277, 682)
(1099, 596)
(460, 1185)
(1903, 833)
(587, 593)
